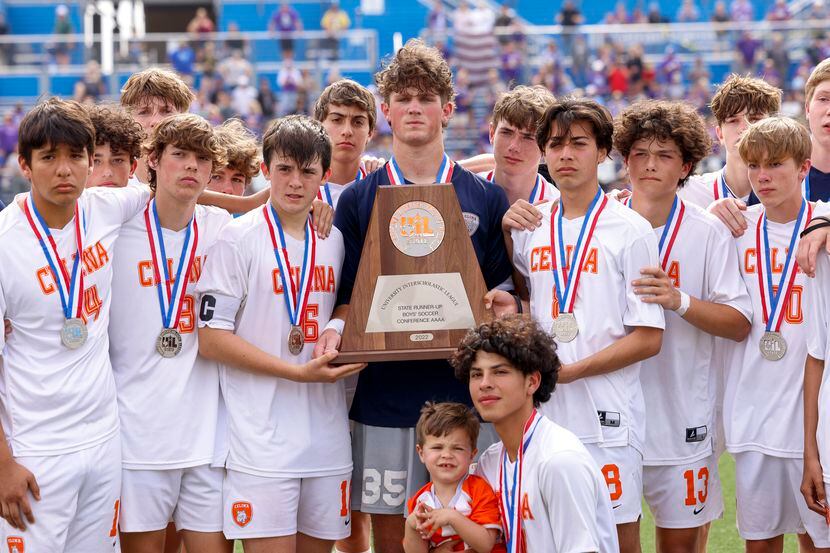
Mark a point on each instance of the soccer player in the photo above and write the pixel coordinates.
(455, 506)
(153, 347)
(516, 153)
(816, 478)
(553, 497)
(150, 96)
(738, 102)
(117, 146)
(602, 329)
(700, 289)
(347, 111)
(242, 159)
(416, 86)
(763, 384)
(817, 107)
(268, 287)
(61, 456)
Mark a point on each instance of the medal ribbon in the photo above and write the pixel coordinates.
(805, 187)
(361, 173)
(538, 192)
(171, 299)
(325, 188)
(444, 171)
(510, 498)
(70, 285)
(670, 230)
(720, 189)
(296, 296)
(775, 303)
(567, 280)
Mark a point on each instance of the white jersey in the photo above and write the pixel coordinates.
(55, 400)
(168, 406)
(700, 190)
(818, 346)
(565, 504)
(332, 192)
(541, 191)
(762, 405)
(277, 427)
(679, 383)
(607, 409)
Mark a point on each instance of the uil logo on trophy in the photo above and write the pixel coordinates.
(416, 229)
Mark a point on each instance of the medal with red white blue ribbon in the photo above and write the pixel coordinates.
(295, 293)
(537, 194)
(70, 285)
(324, 192)
(510, 498)
(171, 294)
(566, 271)
(444, 171)
(774, 300)
(720, 189)
(670, 230)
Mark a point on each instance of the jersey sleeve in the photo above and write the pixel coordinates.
(485, 504)
(346, 220)
(641, 252)
(723, 274)
(223, 285)
(131, 200)
(496, 266)
(521, 238)
(2, 319)
(816, 299)
(569, 486)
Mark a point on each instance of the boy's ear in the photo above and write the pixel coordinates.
(420, 451)
(152, 161)
(264, 168)
(133, 167)
(326, 176)
(24, 167)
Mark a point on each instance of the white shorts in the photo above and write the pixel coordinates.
(79, 502)
(622, 468)
(191, 497)
(264, 507)
(684, 496)
(768, 493)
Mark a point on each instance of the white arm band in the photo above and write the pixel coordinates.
(336, 325)
(685, 301)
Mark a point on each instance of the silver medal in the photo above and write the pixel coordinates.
(169, 343)
(296, 340)
(773, 346)
(73, 333)
(565, 327)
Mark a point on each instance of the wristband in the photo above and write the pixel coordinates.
(685, 301)
(335, 325)
(518, 301)
(810, 227)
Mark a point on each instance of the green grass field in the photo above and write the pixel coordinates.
(723, 536)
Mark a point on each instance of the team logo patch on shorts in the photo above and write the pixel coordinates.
(15, 544)
(242, 513)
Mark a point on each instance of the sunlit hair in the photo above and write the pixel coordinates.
(346, 92)
(522, 343)
(773, 140)
(739, 93)
(114, 126)
(241, 148)
(299, 138)
(416, 66)
(561, 116)
(54, 122)
(142, 87)
(664, 121)
(186, 131)
(523, 106)
(439, 419)
(820, 74)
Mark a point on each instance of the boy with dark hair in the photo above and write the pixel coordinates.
(162, 385)
(58, 407)
(765, 374)
(117, 146)
(580, 264)
(698, 285)
(263, 303)
(416, 86)
(455, 506)
(551, 491)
